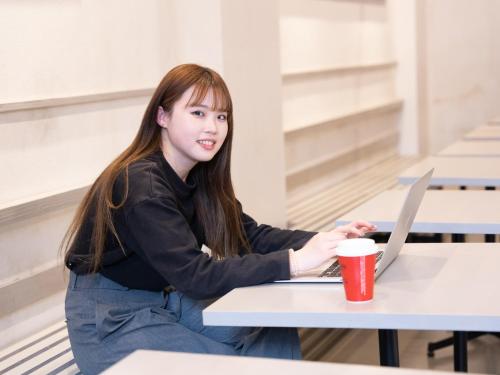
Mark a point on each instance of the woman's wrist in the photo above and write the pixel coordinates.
(294, 271)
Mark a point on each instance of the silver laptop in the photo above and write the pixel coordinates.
(329, 272)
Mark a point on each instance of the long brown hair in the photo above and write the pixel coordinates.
(216, 206)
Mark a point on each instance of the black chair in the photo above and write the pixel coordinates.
(436, 345)
(459, 341)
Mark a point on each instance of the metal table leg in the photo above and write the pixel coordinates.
(489, 237)
(388, 347)
(460, 351)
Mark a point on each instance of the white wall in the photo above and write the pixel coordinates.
(403, 19)
(59, 48)
(55, 51)
(52, 51)
(339, 99)
(462, 67)
(251, 66)
(325, 34)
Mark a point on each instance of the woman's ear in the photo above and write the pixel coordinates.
(162, 117)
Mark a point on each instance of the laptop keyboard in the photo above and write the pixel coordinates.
(334, 269)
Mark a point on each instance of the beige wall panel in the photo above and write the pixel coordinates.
(335, 170)
(338, 89)
(306, 147)
(322, 34)
(376, 87)
(463, 60)
(31, 245)
(318, 99)
(65, 48)
(375, 32)
(251, 67)
(52, 150)
(324, 96)
(196, 32)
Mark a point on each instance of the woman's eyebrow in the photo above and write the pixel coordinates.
(199, 105)
(206, 107)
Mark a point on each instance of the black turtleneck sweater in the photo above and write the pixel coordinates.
(162, 240)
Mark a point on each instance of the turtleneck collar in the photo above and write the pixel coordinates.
(183, 189)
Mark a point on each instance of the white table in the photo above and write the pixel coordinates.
(424, 289)
(483, 133)
(156, 362)
(459, 171)
(441, 211)
(472, 148)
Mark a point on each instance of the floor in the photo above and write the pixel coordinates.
(361, 347)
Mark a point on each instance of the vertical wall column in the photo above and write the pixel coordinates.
(250, 34)
(403, 17)
(240, 39)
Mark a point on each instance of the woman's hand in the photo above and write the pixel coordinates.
(322, 246)
(357, 228)
(315, 252)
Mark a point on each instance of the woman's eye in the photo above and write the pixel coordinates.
(222, 117)
(198, 113)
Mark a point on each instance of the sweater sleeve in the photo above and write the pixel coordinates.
(265, 239)
(166, 242)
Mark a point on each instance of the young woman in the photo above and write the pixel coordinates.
(160, 234)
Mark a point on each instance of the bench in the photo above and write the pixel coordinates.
(46, 352)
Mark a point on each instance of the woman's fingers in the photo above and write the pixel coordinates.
(365, 225)
(356, 228)
(349, 229)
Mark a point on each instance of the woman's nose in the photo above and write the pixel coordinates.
(210, 125)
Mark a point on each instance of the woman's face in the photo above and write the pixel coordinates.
(191, 133)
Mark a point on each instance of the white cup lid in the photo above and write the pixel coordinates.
(356, 247)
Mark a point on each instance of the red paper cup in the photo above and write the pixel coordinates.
(357, 258)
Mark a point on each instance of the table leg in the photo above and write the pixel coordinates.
(489, 237)
(460, 351)
(388, 347)
(458, 237)
(438, 237)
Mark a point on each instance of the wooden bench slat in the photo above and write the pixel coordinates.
(389, 168)
(336, 202)
(29, 341)
(36, 349)
(347, 191)
(326, 219)
(304, 198)
(56, 364)
(46, 365)
(33, 362)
